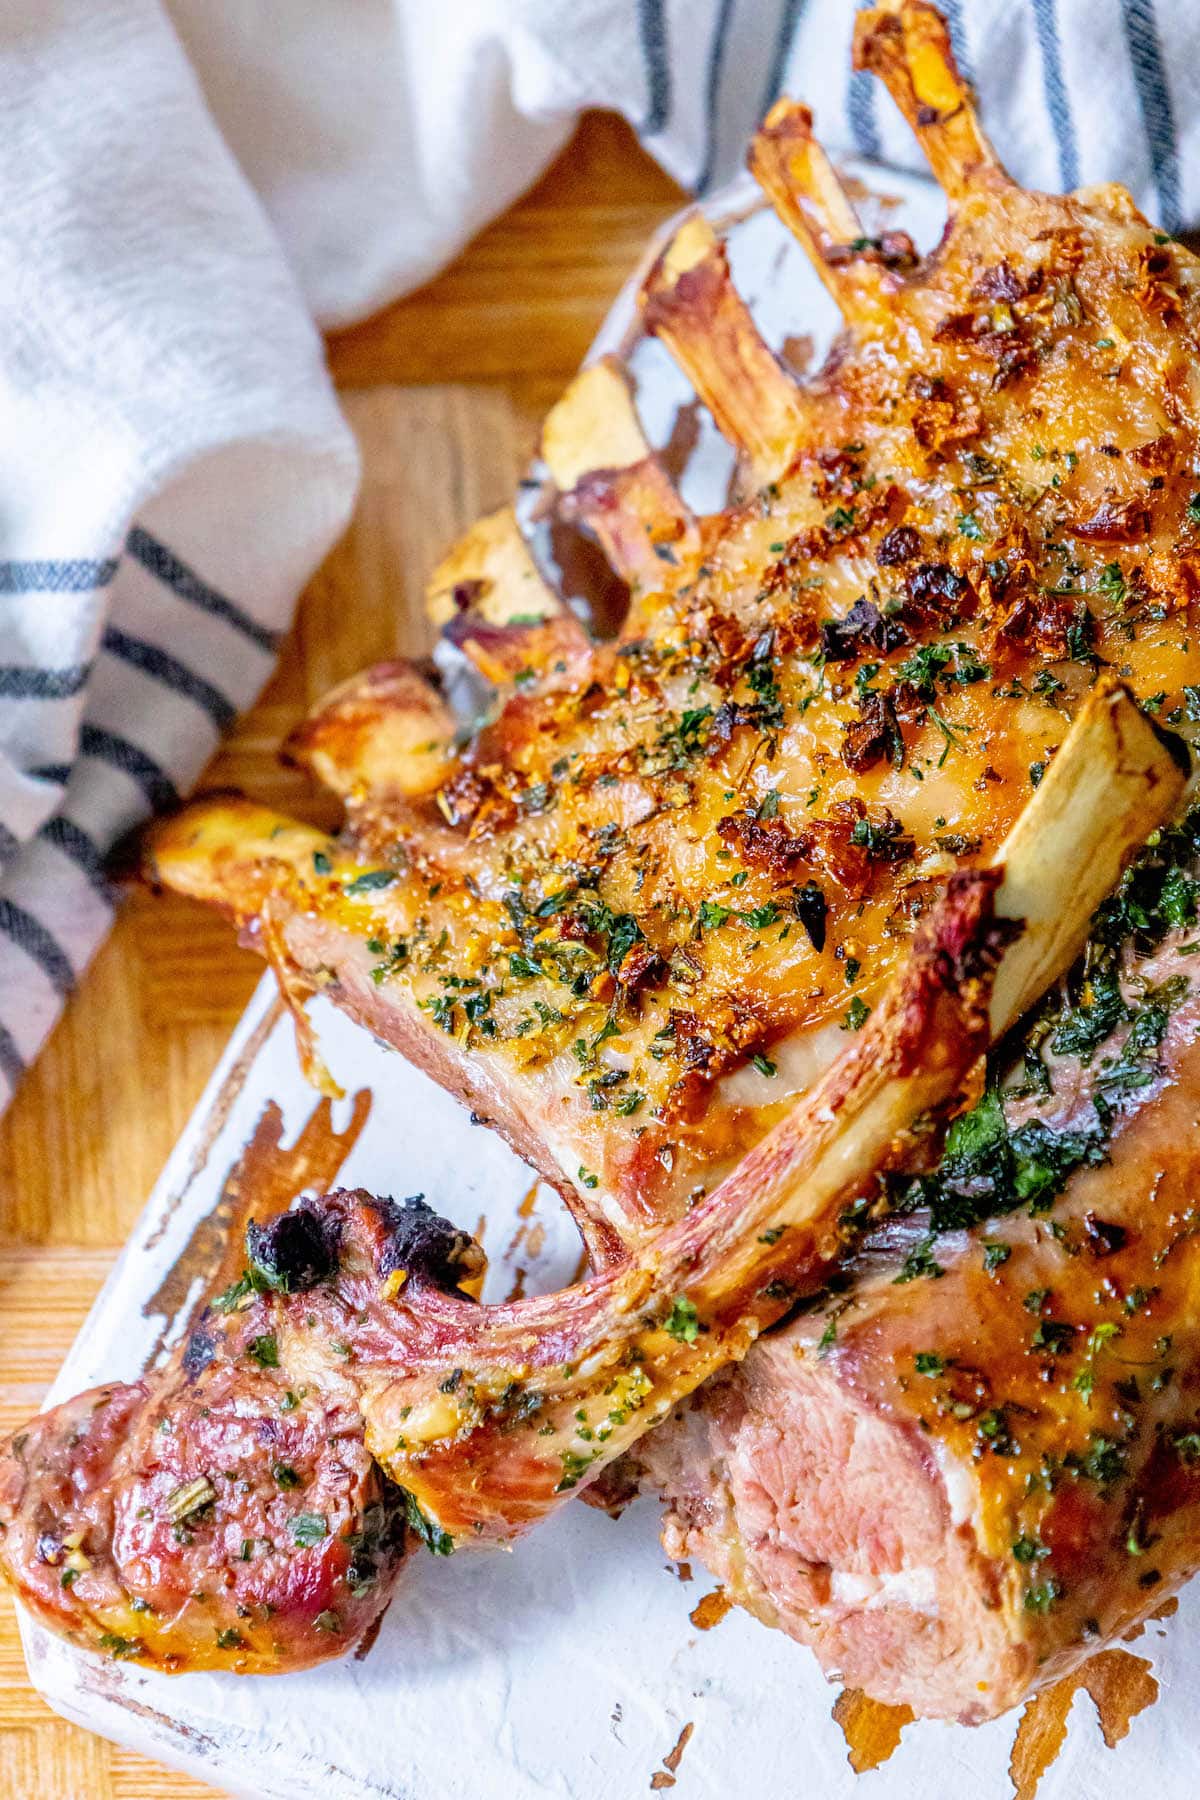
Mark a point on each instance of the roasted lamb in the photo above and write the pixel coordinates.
(637, 913)
(246, 1505)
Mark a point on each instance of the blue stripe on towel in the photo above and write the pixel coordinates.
(652, 25)
(55, 577)
(716, 57)
(12, 1063)
(790, 16)
(1154, 98)
(1058, 104)
(162, 562)
(82, 850)
(860, 108)
(160, 791)
(167, 669)
(40, 945)
(17, 683)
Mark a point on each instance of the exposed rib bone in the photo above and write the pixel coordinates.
(800, 181)
(556, 649)
(386, 734)
(593, 426)
(612, 481)
(1114, 766)
(491, 573)
(690, 302)
(237, 854)
(908, 46)
(491, 601)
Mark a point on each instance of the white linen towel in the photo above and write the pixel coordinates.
(382, 134)
(172, 463)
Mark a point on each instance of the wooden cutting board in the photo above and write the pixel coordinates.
(446, 391)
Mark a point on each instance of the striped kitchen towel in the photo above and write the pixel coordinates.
(382, 136)
(172, 465)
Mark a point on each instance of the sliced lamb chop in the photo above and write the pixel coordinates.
(979, 1459)
(490, 1417)
(224, 1511)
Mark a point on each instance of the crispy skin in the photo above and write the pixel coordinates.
(597, 939)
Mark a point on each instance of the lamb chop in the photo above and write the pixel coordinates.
(631, 918)
(671, 863)
(979, 1459)
(226, 1512)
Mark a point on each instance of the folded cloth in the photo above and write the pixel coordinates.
(172, 465)
(383, 134)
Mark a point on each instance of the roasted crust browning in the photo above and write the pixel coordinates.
(664, 864)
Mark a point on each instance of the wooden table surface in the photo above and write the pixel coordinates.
(445, 390)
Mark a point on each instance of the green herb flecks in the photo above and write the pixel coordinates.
(682, 1322)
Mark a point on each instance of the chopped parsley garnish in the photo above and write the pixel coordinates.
(440, 1008)
(432, 1536)
(759, 917)
(371, 880)
(712, 915)
(987, 1170)
(1103, 1462)
(682, 1322)
(308, 1528)
(232, 1297)
(919, 1264)
(264, 1350)
(856, 1015)
(683, 741)
(574, 1465)
(885, 842)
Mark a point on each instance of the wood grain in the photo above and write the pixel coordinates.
(445, 390)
